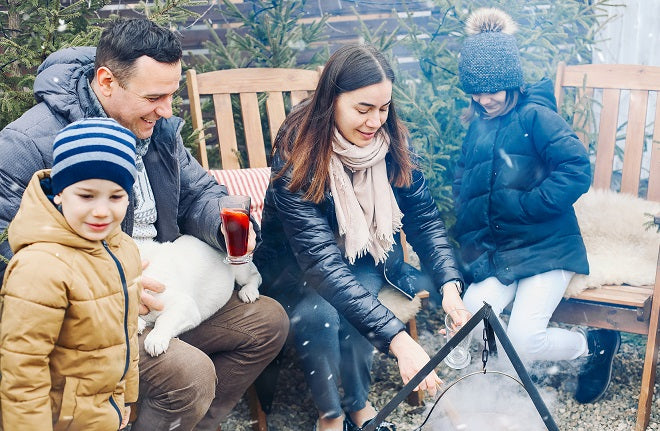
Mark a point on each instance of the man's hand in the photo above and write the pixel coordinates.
(127, 415)
(252, 237)
(147, 301)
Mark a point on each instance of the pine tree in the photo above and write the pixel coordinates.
(30, 30)
(3, 238)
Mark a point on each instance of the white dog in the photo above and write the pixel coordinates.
(197, 284)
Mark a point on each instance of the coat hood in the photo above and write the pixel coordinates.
(38, 220)
(61, 79)
(540, 93)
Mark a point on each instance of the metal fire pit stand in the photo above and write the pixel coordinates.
(485, 313)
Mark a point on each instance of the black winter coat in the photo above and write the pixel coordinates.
(300, 245)
(517, 179)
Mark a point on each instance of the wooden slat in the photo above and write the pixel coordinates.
(606, 139)
(600, 315)
(254, 138)
(654, 166)
(298, 96)
(275, 112)
(256, 80)
(196, 114)
(559, 80)
(650, 358)
(224, 119)
(619, 76)
(632, 159)
(629, 296)
(256, 412)
(581, 123)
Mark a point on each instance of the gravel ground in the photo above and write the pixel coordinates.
(293, 409)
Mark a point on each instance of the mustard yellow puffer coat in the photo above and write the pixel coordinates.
(68, 332)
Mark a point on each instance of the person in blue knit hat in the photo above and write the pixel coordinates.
(520, 170)
(131, 75)
(69, 357)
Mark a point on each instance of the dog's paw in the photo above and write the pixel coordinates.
(142, 324)
(156, 343)
(248, 293)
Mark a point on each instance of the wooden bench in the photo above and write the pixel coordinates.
(634, 309)
(242, 131)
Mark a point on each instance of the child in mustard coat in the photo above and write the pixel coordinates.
(69, 352)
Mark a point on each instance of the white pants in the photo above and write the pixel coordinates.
(534, 300)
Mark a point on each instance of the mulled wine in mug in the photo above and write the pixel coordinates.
(235, 215)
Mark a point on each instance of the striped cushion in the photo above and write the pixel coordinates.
(252, 182)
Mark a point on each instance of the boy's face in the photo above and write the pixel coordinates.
(93, 208)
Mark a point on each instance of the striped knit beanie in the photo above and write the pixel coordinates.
(93, 148)
(489, 61)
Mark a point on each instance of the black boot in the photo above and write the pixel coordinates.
(595, 375)
(351, 426)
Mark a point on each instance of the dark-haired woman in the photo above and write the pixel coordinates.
(343, 186)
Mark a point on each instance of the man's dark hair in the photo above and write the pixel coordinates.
(126, 40)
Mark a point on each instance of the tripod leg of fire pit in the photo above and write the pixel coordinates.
(522, 372)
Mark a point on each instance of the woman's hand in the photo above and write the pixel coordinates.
(451, 300)
(412, 358)
(149, 302)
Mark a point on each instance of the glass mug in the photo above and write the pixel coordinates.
(459, 357)
(235, 215)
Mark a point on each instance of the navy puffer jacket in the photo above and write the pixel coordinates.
(517, 179)
(299, 245)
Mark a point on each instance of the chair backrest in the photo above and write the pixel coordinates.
(249, 84)
(632, 144)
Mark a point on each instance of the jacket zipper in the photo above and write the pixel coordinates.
(128, 344)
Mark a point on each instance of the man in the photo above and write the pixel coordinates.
(132, 77)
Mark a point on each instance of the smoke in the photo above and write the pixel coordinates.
(487, 401)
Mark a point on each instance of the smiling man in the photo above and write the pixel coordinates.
(131, 77)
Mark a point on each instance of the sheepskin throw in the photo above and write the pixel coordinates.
(403, 308)
(620, 249)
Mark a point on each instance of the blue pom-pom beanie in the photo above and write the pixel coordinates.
(93, 148)
(490, 60)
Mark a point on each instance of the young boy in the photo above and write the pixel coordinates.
(68, 334)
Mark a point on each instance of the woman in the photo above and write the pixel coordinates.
(343, 185)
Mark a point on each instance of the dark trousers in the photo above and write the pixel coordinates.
(332, 352)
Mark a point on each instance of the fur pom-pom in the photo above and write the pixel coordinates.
(490, 20)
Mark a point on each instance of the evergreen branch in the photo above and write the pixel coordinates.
(3, 238)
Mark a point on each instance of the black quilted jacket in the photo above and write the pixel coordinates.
(299, 245)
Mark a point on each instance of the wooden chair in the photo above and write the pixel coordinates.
(282, 89)
(634, 309)
(247, 84)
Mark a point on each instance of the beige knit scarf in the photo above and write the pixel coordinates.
(367, 212)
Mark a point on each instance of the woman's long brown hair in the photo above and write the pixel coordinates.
(305, 139)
